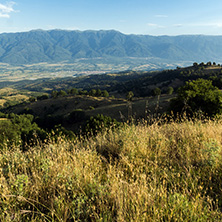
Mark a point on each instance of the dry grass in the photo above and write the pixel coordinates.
(162, 172)
(2, 101)
(11, 95)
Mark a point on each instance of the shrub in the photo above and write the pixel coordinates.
(100, 122)
(76, 115)
(129, 95)
(43, 97)
(62, 93)
(198, 96)
(105, 93)
(170, 90)
(20, 130)
(32, 99)
(74, 91)
(156, 91)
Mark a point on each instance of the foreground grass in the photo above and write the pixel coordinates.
(169, 172)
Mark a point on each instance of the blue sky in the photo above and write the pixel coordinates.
(156, 17)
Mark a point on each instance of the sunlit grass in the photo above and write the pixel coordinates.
(158, 172)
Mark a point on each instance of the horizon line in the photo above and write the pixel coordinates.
(105, 30)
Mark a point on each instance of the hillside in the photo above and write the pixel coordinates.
(55, 110)
(118, 84)
(72, 112)
(58, 46)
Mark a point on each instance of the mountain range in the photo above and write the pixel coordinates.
(65, 46)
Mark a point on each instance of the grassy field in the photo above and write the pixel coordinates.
(96, 105)
(158, 172)
(14, 96)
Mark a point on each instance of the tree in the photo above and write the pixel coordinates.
(98, 92)
(129, 95)
(209, 64)
(32, 99)
(100, 122)
(74, 91)
(62, 93)
(43, 97)
(170, 90)
(156, 91)
(92, 92)
(83, 92)
(20, 130)
(198, 95)
(76, 115)
(105, 93)
(54, 94)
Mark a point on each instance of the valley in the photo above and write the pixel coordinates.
(81, 67)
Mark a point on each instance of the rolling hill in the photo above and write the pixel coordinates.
(65, 46)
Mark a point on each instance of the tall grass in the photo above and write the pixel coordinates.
(161, 172)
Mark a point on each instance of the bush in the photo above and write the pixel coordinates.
(105, 93)
(62, 93)
(198, 96)
(170, 90)
(100, 122)
(32, 99)
(129, 96)
(20, 130)
(54, 94)
(74, 91)
(156, 91)
(77, 115)
(43, 97)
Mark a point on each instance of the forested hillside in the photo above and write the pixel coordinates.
(59, 46)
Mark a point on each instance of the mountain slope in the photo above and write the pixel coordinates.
(59, 45)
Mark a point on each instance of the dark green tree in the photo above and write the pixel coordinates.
(209, 63)
(43, 97)
(74, 91)
(83, 92)
(62, 93)
(100, 122)
(54, 94)
(98, 92)
(129, 96)
(76, 115)
(32, 99)
(156, 91)
(105, 93)
(170, 90)
(92, 92)
(198, 95)
(20, 130)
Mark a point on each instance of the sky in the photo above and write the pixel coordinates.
(146, 17)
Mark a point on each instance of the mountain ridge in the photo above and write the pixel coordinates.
(51, 46)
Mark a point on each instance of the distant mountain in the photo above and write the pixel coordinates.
(59, 45)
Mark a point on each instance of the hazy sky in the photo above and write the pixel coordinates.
(156, 17)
